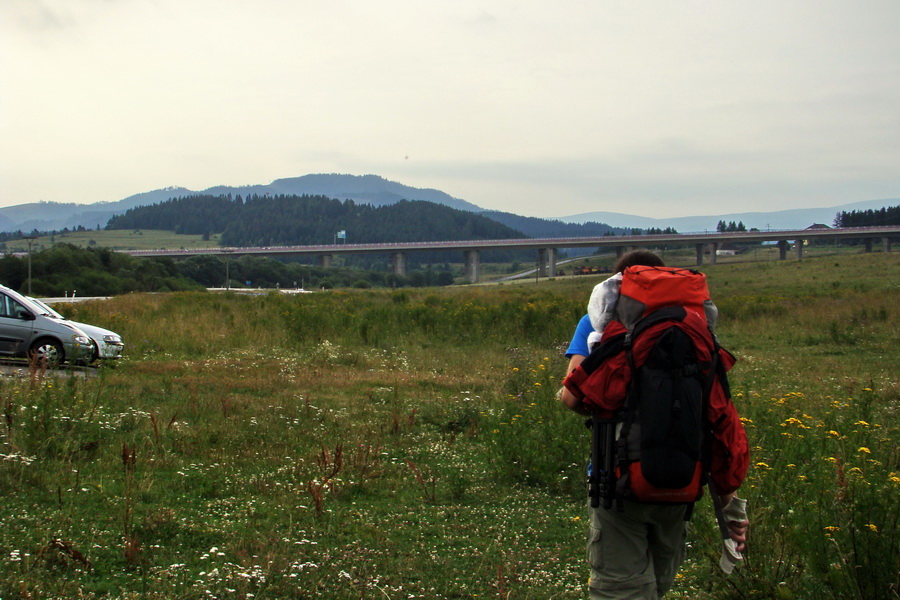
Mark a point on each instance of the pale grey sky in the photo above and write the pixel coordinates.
(653, 107)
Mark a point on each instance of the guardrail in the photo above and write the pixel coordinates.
(770, 235)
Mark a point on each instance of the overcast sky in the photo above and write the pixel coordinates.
(654, 107)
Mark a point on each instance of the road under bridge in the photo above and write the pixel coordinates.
(548, 248)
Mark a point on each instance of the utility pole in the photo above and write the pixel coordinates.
(30, 239)
(227, 274)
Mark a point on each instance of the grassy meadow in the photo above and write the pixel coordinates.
(408, 444)
(117, 239)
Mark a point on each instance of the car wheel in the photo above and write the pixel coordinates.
(48, 351)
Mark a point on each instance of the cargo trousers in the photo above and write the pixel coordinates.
(635, 554)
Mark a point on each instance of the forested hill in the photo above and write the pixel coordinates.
(301, 220)
(888, 215)
(550, 228)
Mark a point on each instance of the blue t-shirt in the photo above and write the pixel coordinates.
(579, 343)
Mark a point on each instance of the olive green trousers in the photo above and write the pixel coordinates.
(635, 554)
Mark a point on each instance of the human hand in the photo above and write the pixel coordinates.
(734, 510)
(738, 531)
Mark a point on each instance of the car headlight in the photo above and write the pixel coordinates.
(112, 339)
(82, 339)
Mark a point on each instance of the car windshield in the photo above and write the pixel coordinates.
(44, 309)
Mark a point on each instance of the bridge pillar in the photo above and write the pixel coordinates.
(885, 244)
(398, 264)
(868, 242)
(473, 265)
(799, 249)
(782, 249)
(713, 252)
(547, 262)
(325, 260)
(620, 250)
(700, 254)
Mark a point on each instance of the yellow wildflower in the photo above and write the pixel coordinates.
(794, 421)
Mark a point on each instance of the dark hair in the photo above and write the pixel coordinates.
(638, 257)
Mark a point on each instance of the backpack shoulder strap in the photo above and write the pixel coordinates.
(609, 347)
(669, 313)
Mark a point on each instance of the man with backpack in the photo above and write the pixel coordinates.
(646, 367)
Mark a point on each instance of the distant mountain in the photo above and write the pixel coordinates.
(7, 224)
(49, 216)
(799, 218)
(377, 191)
(364, 189)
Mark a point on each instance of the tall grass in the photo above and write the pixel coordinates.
(407, 444)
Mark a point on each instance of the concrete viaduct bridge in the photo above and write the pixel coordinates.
(548, 248)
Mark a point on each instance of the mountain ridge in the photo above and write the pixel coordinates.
(368, 189)
(796, 218)
(378, 191)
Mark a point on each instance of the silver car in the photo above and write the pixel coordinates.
(108, 344)
(26, 331)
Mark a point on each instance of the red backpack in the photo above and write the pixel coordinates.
(649, 385)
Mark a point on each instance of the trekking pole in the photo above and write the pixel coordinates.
(594, 474)
(730, 556)
(602, 461)
(608, 481)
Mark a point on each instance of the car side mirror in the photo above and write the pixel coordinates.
(25, 315)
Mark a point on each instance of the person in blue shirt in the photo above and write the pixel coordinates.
(580, 346)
